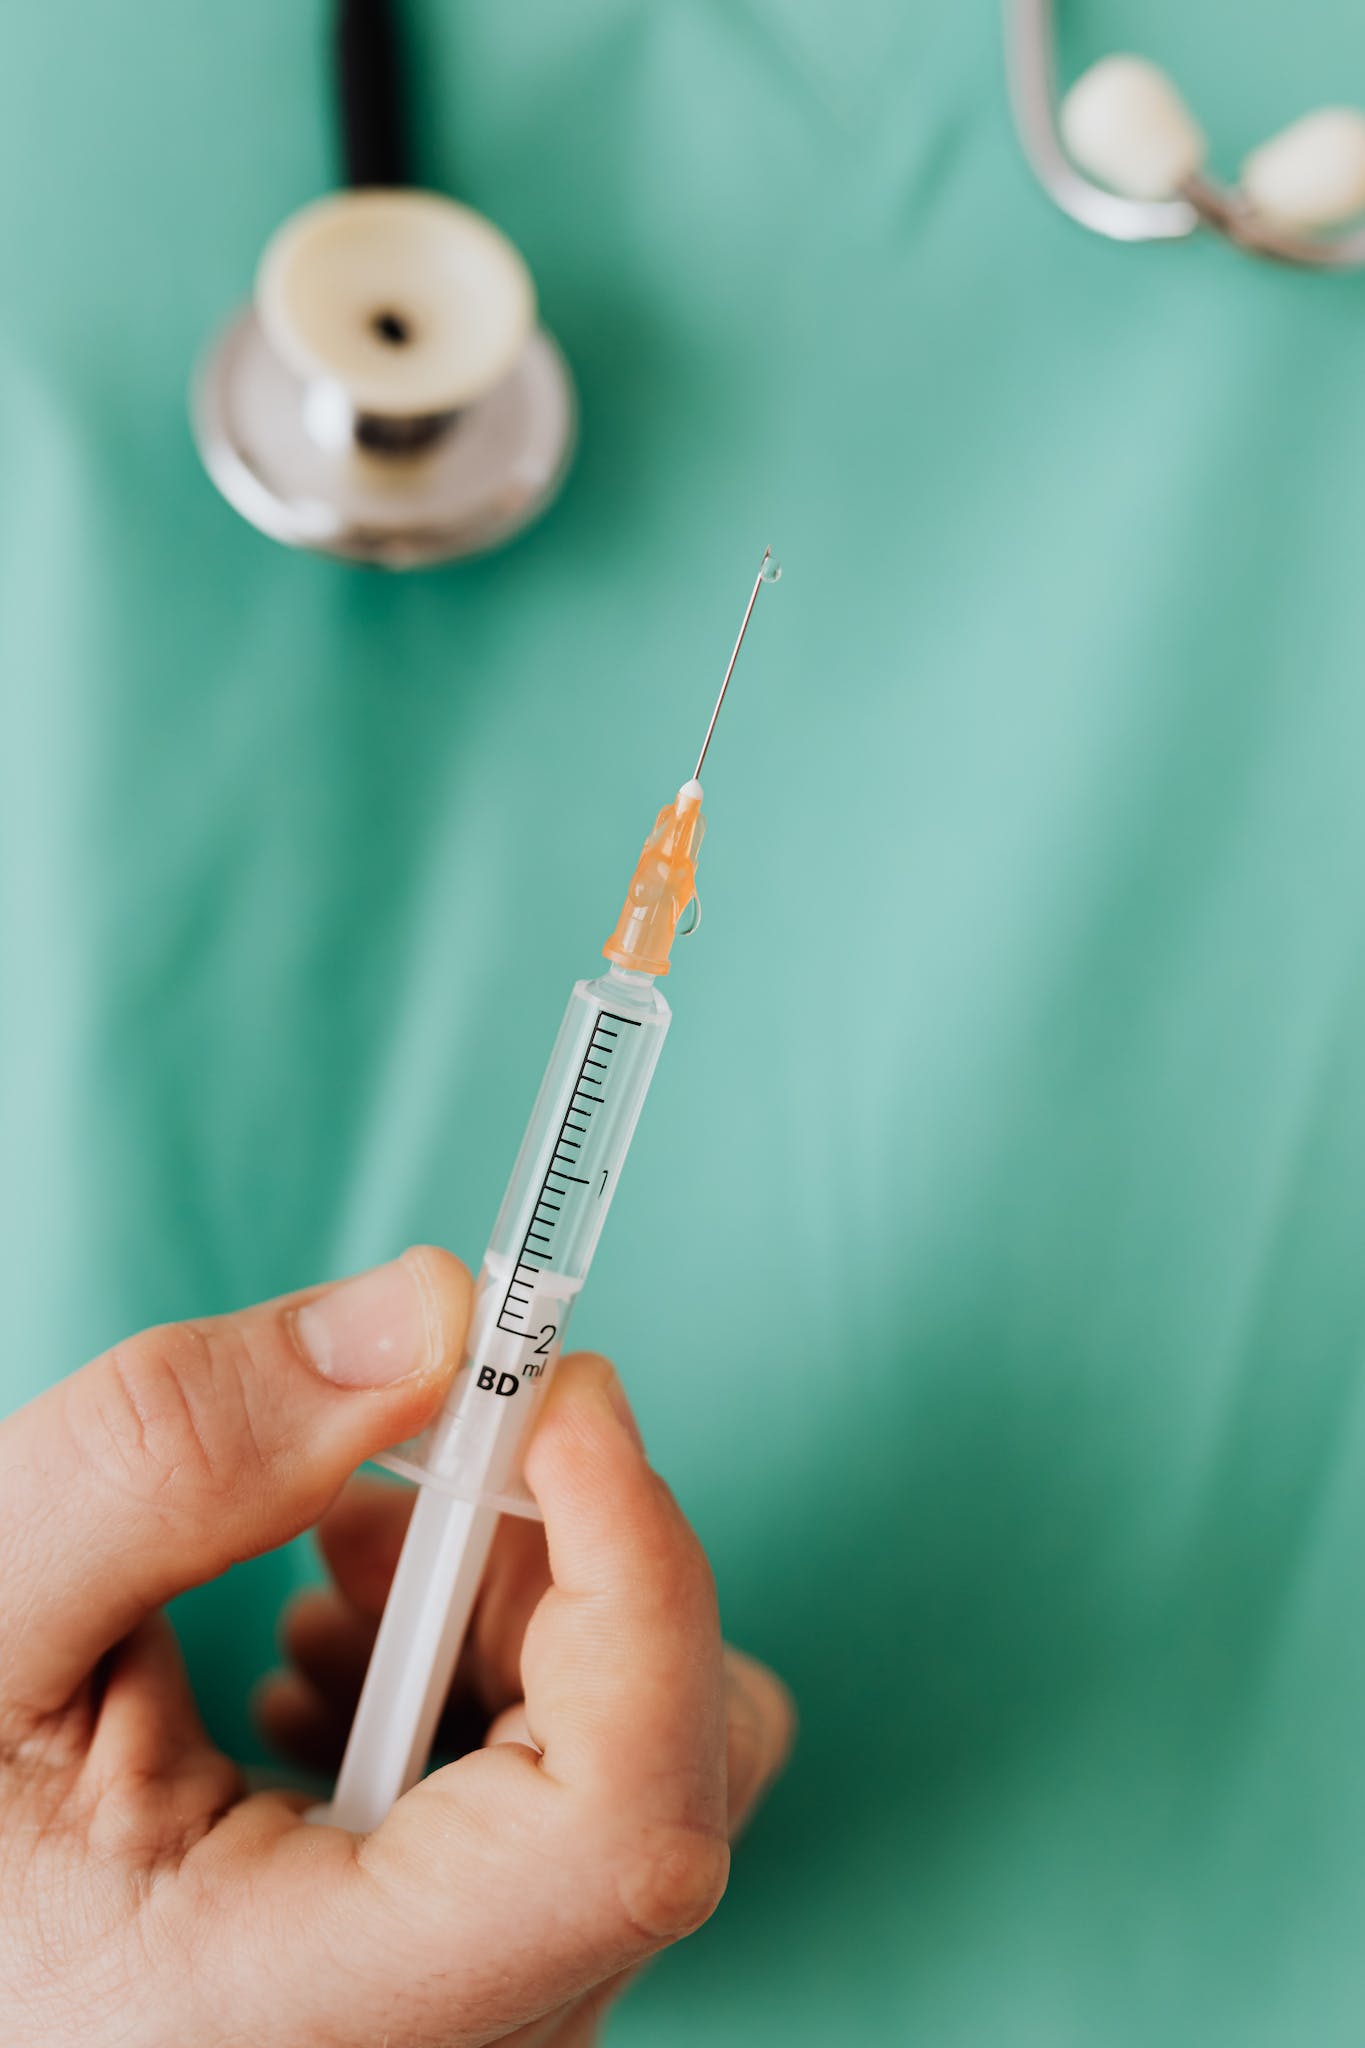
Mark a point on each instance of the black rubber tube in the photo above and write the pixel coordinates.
(374, 142)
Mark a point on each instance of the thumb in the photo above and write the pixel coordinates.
(192, 1446)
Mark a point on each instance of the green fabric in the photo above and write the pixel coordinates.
(988, 1274)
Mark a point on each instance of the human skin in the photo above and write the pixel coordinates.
(149, 1900)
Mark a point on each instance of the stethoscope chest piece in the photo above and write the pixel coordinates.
(388, 395)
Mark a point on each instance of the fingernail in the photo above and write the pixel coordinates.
(366, 1332)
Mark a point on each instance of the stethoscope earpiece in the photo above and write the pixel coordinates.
(1312, 174)
(1124, 122)
(1123, 155)
(388, 396)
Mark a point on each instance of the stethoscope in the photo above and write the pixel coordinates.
(388, 395)
(1124, 124)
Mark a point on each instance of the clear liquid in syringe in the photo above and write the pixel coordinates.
(542, 1244)
(569, 1152)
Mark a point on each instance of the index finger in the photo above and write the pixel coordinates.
(622, 1663)
(550, 1872)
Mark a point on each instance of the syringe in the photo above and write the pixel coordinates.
(468, 1463)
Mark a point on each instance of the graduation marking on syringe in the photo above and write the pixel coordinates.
(537, 1245)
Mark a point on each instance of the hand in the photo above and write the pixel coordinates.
(147, 1900)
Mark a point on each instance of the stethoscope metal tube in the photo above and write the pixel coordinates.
(1031, 67)
(1030, 46)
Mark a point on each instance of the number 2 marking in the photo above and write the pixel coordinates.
(547, 1338)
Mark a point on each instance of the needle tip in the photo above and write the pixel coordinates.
(768, 572)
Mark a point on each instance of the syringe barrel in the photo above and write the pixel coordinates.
(565, 1178)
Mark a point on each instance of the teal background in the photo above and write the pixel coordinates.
(989, 1276)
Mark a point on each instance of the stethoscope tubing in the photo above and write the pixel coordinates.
(371, 116)
(1031, 72)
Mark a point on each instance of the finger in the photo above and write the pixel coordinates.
(145, 1717)
(306, 1709)
(760, 1729)
(360, 1537)
(761, 1721)
(195, 1445)
(511, 1725)
(760, 1725)
(541, 1871)
(301, 1710)
(328, 1642)
(151, 1780)
(516, 1580)
(300, 1722)
(622, 1660)
(311, 1726)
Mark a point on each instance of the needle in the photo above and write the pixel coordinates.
(768, 572)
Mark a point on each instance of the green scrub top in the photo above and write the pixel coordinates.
(988, 1273)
